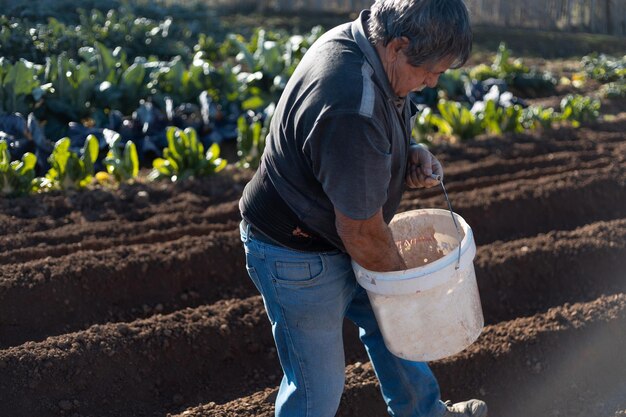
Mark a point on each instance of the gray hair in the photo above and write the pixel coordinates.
(436, 29)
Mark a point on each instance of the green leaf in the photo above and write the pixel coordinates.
(253, 103)
(60, 156)
(29, 160)
(173, 150)
(107, 63)
(131, 159)
(213, 152)
(5, 156)
(134, 75)
(91, 148)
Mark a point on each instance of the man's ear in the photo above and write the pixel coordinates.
(401, 43)
(396, 45)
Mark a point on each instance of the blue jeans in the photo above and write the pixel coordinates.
(306, 296)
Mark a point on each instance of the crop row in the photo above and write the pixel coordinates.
(210, 85)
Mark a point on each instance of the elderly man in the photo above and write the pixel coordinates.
(338, 157)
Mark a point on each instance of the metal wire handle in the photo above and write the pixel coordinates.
(456, 225)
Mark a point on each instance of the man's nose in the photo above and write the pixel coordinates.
(432, 80)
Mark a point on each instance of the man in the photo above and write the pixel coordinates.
(338, 156)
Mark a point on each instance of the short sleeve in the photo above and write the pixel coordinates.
(350, 156)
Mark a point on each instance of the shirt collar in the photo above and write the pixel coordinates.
(360, 35)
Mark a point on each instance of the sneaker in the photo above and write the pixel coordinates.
(471, 408)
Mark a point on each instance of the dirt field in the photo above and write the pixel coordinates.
(137, 303)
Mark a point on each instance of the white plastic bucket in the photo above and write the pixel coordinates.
(432, 309)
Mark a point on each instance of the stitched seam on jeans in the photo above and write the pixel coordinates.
(304, 377)
(297, 356)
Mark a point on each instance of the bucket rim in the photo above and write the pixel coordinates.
(435, 266)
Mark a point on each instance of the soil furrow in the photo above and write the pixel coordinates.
(157, 205)
(501, 288)
(143, 367)
(609, 136)
(525, 276)
(160, 227)
(93, 242)
(515, 278)
(131, 203)
(529, 207)
(567, 361)
(471, 179)
(123, 283)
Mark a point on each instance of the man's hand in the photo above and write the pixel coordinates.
(421, 165)
(369, 242)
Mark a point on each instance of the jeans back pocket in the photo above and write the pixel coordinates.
(299, 271)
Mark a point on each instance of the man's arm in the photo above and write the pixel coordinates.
(369, 242)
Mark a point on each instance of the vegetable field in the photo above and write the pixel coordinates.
(123, 287)
(136, 302)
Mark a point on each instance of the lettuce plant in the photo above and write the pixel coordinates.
(184, 157)
(15, 177)
(427, 124)
(463, 123)
(123, 165)
(69, 170)
(498, 119)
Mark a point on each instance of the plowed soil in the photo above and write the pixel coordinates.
(136, 301)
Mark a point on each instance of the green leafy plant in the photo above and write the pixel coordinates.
(463, 123)
(521, 79)
(122, 164)
(533, 117)
(502, 67)
(604, 68)
(73, 87)
(181, 82)
(499, 119)
(251, 137)
(428, 124)
(20, 88)
(266, 62)
(579, 109)
(184, 157)
(16, 177)
(69, 170)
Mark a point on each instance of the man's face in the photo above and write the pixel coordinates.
(409, 78)
(405, 77)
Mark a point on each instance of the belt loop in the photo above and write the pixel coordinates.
(246, 231)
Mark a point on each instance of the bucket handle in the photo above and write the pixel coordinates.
(456, 225)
